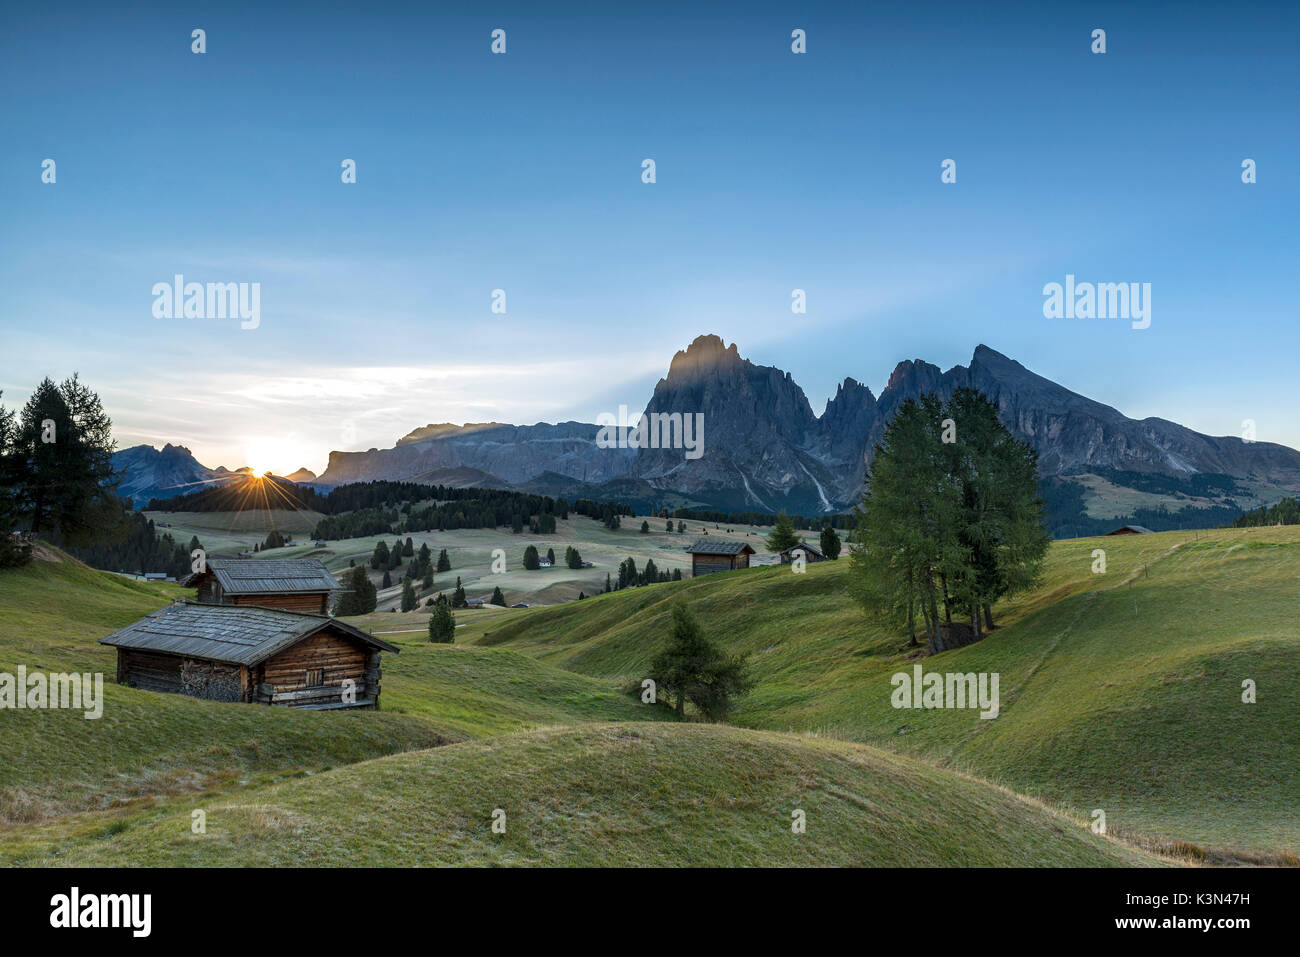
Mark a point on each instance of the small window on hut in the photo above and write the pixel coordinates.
(315, 678)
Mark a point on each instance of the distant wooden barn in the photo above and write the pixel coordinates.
(1131, 530)
(710, 555)
(811, 553)
(251, 654)
(300, 584)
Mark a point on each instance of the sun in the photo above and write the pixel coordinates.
(263, 456)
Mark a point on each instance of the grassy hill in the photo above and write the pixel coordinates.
(149, 746)
(629, 794)
(1120, 691)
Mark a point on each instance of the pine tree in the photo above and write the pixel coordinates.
(359, 596)
(388, 579)
(497, 598)
(408, 596)
(531, 561)
(425, 554)
(645, 528)
(58, 471)
(608, 584)
(689, 666)
(458, 596)
(380, 557)
(427, 583)
(905, 527)
(550, 556)
(442, 624)
(444, 563)
(783, 535)
(408, 549)
(830, 543)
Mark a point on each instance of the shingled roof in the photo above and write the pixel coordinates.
(808, 549)
(252, 576)
(235, 634)
(713, 546)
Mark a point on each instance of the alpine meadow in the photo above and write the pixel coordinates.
(575, 437)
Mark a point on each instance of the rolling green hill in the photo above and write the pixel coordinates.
(1120, 691)
(149, 745)
(624, 795)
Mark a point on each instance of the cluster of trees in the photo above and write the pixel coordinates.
(1285, 512)
(375, 508)
(359, 524)
(56, 474)
(692, 668)
(141, 550)
(242, 491)
(951, 517)
(571, 557)
(630, 577)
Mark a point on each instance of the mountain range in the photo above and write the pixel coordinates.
(765, 449)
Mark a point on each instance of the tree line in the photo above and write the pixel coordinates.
(1285, 512)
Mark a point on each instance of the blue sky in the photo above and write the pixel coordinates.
(522, 172)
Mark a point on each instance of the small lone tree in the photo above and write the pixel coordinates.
(645, 528)
(458, 596)
(691, 666)
(408, 595)
(497, 597)
(444, 563)
(830, 543)
(442, 624)
(531, 561)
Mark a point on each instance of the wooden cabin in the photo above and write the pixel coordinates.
(710, 555)
(299, 584)
(811, 553)
(1131, 530)
(250, 654)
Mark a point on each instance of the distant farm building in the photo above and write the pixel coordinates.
(1131, 530)
(474, 602)
(710, 555)
(251, 654)
(811, 553)
(300, 584)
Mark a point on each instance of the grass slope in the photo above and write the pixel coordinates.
(149, 745)
(1120, 691)
(610, 795)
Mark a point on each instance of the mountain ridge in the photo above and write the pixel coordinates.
(764, 447)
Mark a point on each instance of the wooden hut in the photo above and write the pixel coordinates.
(299, 584)
(1131, 530)
(251, 654)
(714, 555)
(811, 553)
